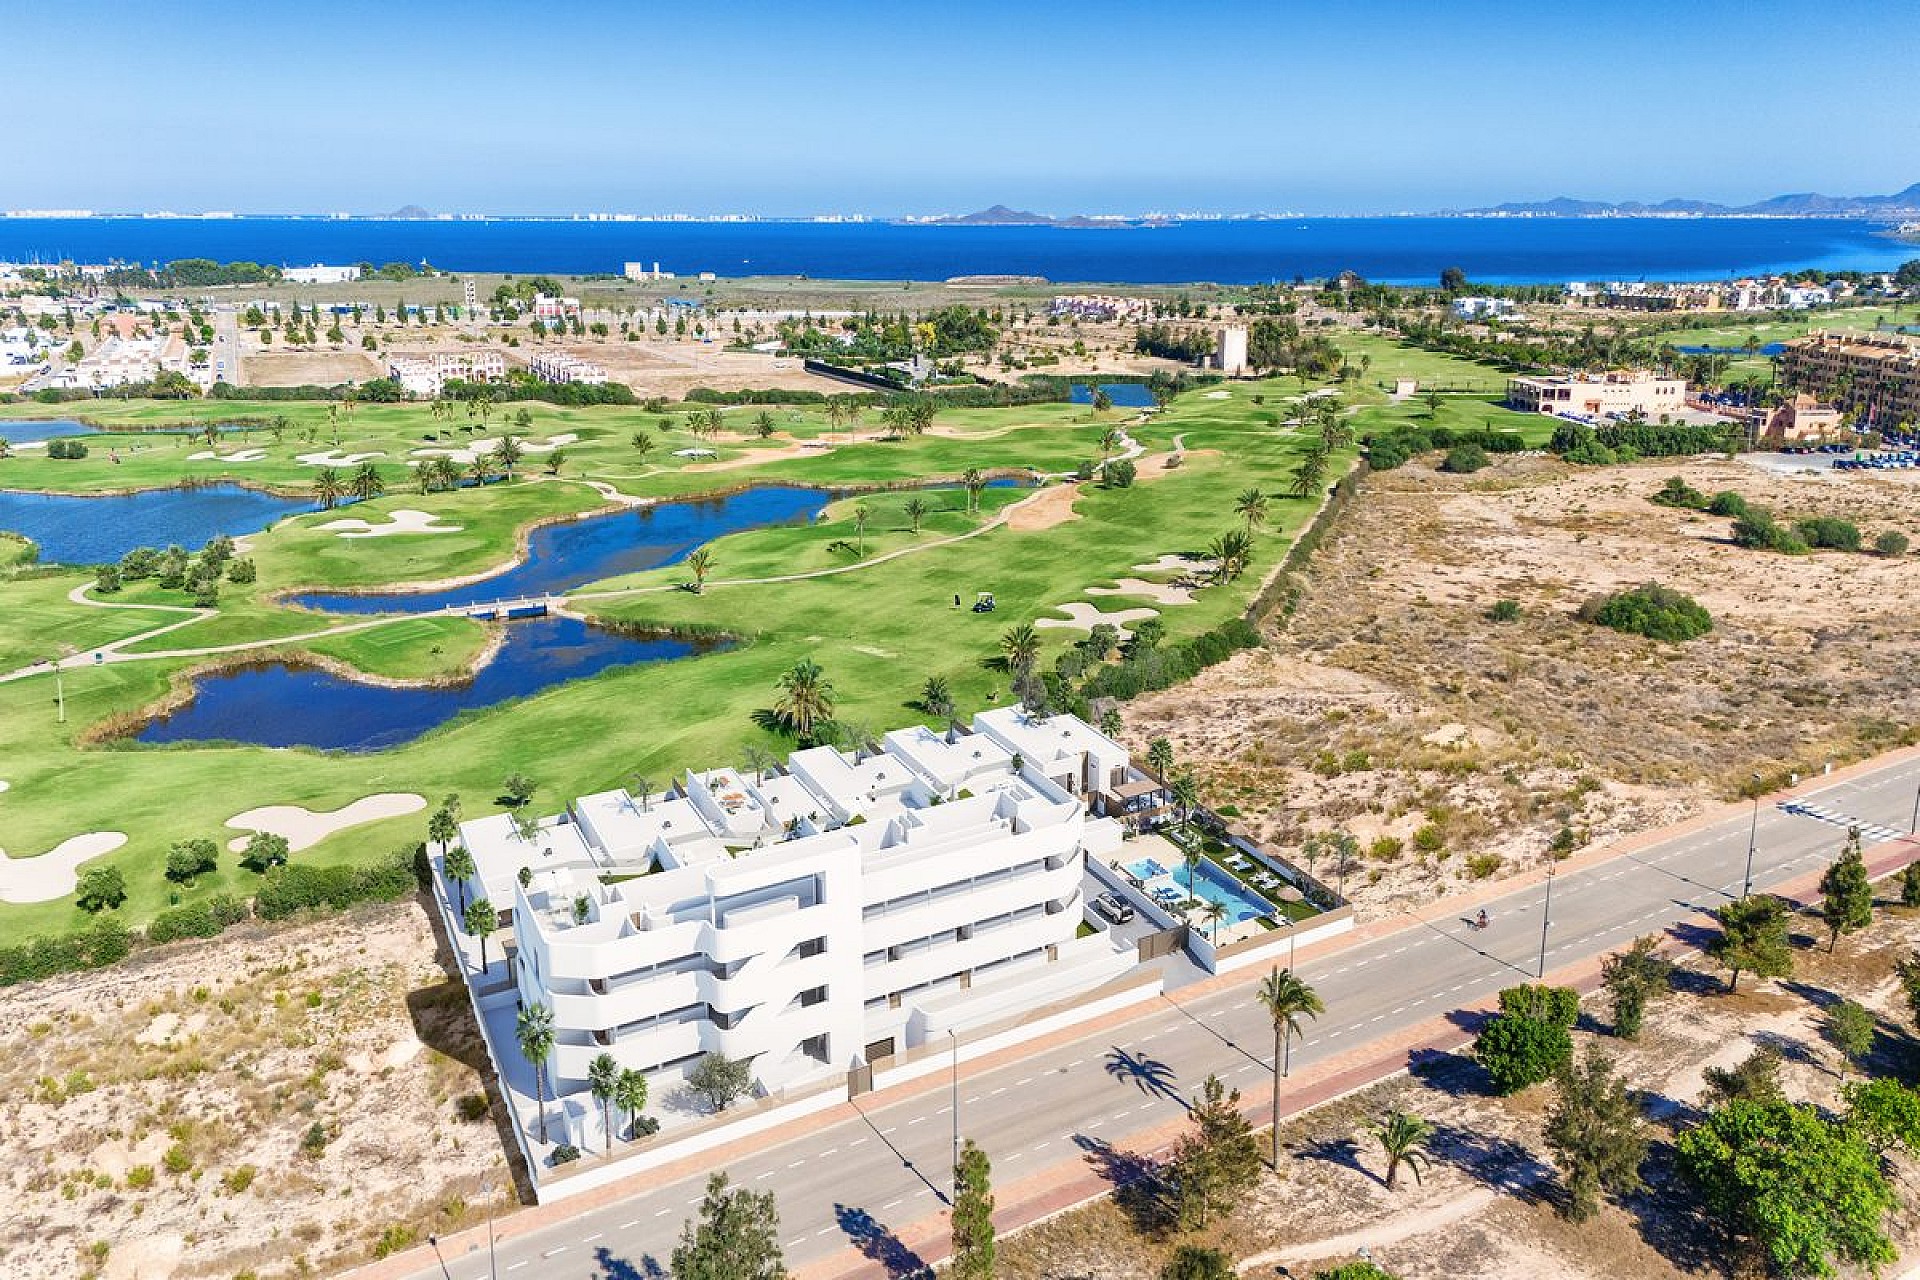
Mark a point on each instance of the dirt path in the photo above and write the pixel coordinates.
(1432, 1218)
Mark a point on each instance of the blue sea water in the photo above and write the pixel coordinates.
(1395, 250)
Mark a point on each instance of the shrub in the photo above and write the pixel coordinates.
(176, 1159)
(237, 1179)
(471, 1107)
(106, 942)
(1727, 503)
(66, 448)
(394, 1239)
(241, 570)
(565, 1153)
(313, 1143)
(1504, 611)
(1482, 865)
(1385, 849)
(1518, 1050)
(1430, 839)
(1890, 544)
(1465, 459)
(1829, 532)
(296, 887)
(140, 1177)
(189, 859)
(1118, 474)
(196, 919)
(1676, 492)
(1756, 529)
(100, 889)
(1650, 610)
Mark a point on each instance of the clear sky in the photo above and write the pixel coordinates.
(1063, 106)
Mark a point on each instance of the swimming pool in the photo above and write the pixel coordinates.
(1145, 869)
(1214, 885)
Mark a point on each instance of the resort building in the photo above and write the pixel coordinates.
(1603, 395)
(548, 309)
(1099, 308)
(559, 367)
(428, 375)
(819, 917)
(1801, 420)
(318, 274)
(1484, 309)
(1875, 376)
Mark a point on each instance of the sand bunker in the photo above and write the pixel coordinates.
(472, 453)
(1082, 616)
(1043, 510)
(405, 520)
(331, 459)
(304, 828)
(1177, 564)
(51, 875)
(1158, 592)
(1219, 395)
(238, 455)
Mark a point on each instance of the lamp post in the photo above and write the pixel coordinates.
(1914, 826)
(1546, 918)
(954, 1037)
(1753, 835)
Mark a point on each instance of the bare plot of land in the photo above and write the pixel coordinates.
(303, 368)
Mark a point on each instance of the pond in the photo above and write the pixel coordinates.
(15, 430)
(561, 557)
(100, 528)
(277, 704)
(1126, 395)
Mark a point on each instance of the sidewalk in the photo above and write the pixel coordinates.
(1064, 1187)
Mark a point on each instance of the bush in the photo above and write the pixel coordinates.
(1465, 459)
(298, 887)
(313, 1143)
(1650, 610)
(66, 448)
(140, 1177)
(1196, 1262)
(241, 571)
(471, 1107)
(1676, 492)
(196, 919)
(1504, 611)
(394, 1239)
(1727, 503)
(1429, 838)
(1757, 530)
(1518, 1051)
(106, 942)
(565, 1153)
(1890, 544)
(100, 889)
(1829, 532)
(1118, 474)
(189, 859)
(1482, 865)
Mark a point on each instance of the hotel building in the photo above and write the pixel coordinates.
(428, 375)
(1873, 375)
(559, 367)
(1603, 395)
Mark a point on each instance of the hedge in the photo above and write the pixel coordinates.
(295, 887)
(197, 919)
(104, 942)
(1162, 668)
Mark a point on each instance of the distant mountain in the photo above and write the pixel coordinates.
(1806, 204)
(408, 211)
(1000, 215)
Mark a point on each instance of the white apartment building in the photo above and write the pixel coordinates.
(1484, 309)
(1598, 395)
(319, 274)
(428, 375)
(547, 308)
(813, 918)
(559, 367)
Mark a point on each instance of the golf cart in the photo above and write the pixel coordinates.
(985, 603)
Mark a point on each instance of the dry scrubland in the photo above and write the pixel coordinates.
(1393, 708)
(164, 1107)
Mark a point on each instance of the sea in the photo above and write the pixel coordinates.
(1395, 250)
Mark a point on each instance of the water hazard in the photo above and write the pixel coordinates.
(100, 528)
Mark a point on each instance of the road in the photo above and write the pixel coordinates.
(853, 1181)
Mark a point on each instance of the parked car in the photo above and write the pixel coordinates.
(1113, 907)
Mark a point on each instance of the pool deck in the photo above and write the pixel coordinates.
(1170, 856)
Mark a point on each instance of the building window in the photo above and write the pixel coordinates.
(817, 995)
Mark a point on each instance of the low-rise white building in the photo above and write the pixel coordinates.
(816, 918)
(547, 308)
(1598, 395)
(428, 375)
(319, 274)
(558, 367)
(1484, 309)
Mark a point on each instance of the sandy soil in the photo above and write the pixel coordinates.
(54, 873)
(304, 828)
(302, 368)
(480, 448)
(1158, 592)
(1485, 1207)
(203, 1066)
(1044, 510)
(1082, 616)
(334, 458)
(1391, 703)
(238, 455)
(404, 520)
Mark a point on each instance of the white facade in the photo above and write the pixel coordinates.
(813, 918)
(1606, 395)
(318, 274)
(1230, 350)
(428, 375)
(559, 367)
(547, 308)
(1484, 308)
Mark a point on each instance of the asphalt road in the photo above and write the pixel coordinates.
(852, 1182)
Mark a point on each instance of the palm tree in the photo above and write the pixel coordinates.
(759, 760)
(481, 920)
(700, 564)
(1230, 553)
(836, 413)
(1403, 1136)
(935, 698)
(1186, 795)
(479, 470)
(534, 1030)
(446, 473)
(1311, 473)
(458, 862)
(630, 1095)
(326, 488)
(1160, 757)
(1192, 856)
(603, 1079)
(861, 514)
(1251, 506)
(916, 510)
(1287, 1000)
(1213, 913)
(366, 483)
(509, 450)
(642, 444)
(763, 424)
(1110, 442)
(806, 699)
(1020, 646)
(975, 485)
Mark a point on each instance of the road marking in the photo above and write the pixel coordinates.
(796, 1242)
(549, 1253)
(661, 1213)
(856, 1142)
(1047, 1143)
(997, 1092)
(891, 1204)
(590, 1239)
(910, 1124)
(515, 1266)
(1024, 1080)
(628, 1226)
(822, 1231)
(829, 1151)
(796, 1164)
(758, 1177)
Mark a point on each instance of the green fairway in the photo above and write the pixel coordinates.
(879, 616)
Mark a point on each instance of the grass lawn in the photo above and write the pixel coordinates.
(879, 630)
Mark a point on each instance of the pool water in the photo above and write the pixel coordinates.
(1214, 885)
(1145, 869)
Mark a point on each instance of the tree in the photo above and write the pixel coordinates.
(642, 444)
(862, 513)
(1804, 1191)
(630, 1095)
(735, 1237)
(509, 451)
(366, 483)
(533, 1028)
(265, 850)
(1309, 474)
(1632, 977)
(1846, 902)
(100, 889)
(1119, 474)
(1215, 1160)
(763, 424)
(700, 563)
(1850, 1029)
(1596, 1134)
(805, 704)
(1403, 1137)
(1910, 885)
(1453, 279)
(1160, 757)
(1287, 1000)
(916, 511)
(1355, 1271)
(1755, 1078)
(1908, 971)
(973, 1245)
(1213, 913)
(1529, 1039)
(1198, 1262)
(603, 1081)
(443, 831)
(1753, 939)
(1020, 647)
(480, 920)
(189, 859)
(720, 1081)
(518, 788)
(1251, 506)
(326, 488)
(1890, 544)
(1884, 1113)
(975, 484)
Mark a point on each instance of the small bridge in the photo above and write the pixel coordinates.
(505, 610)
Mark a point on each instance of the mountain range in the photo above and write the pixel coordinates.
(1799, 204)
(1000, 215)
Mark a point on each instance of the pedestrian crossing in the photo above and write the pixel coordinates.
(1870, 832)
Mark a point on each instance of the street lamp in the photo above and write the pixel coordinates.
(954, 1037)
(1753, 834)
(1914, 826)
(1546, 917)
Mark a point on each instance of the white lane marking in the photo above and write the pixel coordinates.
(590, 1239)
(661, 1213)
(758, 1177)
(515, 1266)
(891, 1204)
(796, 1164)
(549, 1253)
(628, 1226)
(856, 1142)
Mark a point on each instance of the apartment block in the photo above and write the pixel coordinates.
(428, 375)
(559, 367)
(1875, 376)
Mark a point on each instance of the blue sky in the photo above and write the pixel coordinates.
(1343, 106)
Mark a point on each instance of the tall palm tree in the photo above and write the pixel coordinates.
(1251, 506)
(326, 488)
(458, 862)
(1310, 475)
(642, 444)
(534, 1030)
(975, 484)
(480, 920)
(630, 1094)
(1213, 913)
(1287, 1000)
(446, 473)
(700, 564)
(916, 510)
(763, 424)
(509, 450)
(603, 1079)
(935, 698)
(1020, 646)
(367, 483)
(1160, 757)
(861, 514)
(806, 699)
(1192, 856)
(478, 470)
(836, 413)
(1403, 1136)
